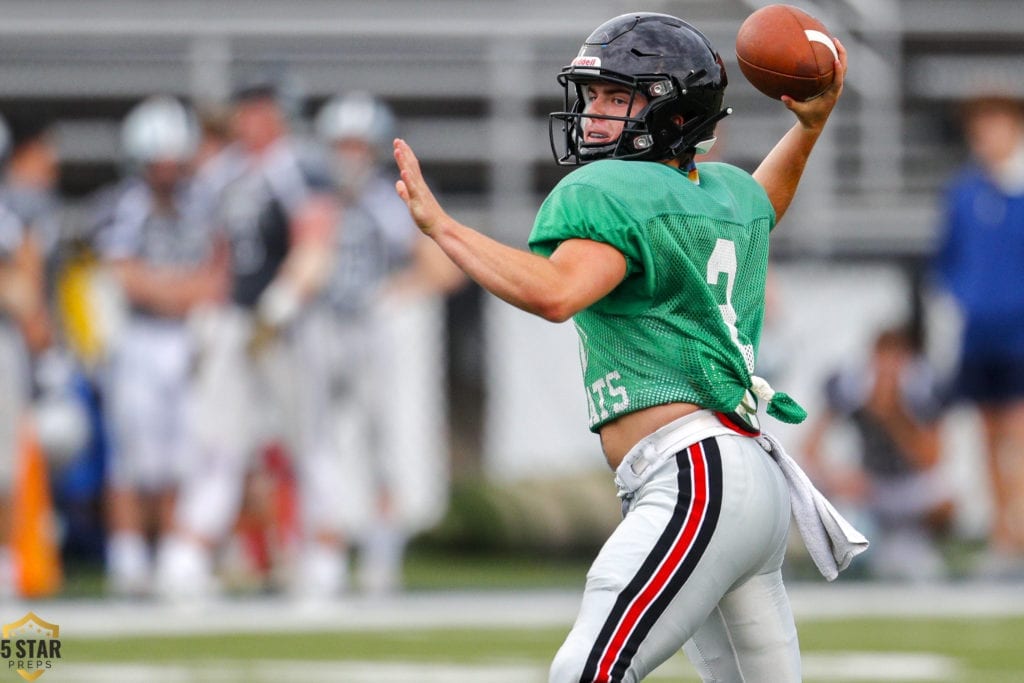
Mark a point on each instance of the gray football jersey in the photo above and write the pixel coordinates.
(252, 203)
(132, 227)
(375, 239)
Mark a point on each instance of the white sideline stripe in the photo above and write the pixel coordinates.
(105, 618)
(273, 671)
(479, 609)
(879, 666)
(839, 601)
(100, 619)
(851, 666)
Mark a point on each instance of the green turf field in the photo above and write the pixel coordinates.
(979, 650)
(958, 633)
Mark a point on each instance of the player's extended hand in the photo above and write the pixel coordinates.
(413, 190)
(814, 112)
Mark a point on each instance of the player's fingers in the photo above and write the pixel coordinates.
(402, 191)
(406, 157)
(409, 169)
(841, 63)
(415, 187)
(401, 158)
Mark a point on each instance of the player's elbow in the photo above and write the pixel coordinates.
(550, 299)
(555, 309)
(555, 316)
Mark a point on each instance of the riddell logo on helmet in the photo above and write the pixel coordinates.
(587, 61)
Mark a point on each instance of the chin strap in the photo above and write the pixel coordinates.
(692, 137)
(779, 405)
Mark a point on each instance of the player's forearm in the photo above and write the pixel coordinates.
(308, 265)
(165, 290)
(780, 171)
(525, 280)
(18, 296)
(299, 280)
(530, 282)
(307, 268)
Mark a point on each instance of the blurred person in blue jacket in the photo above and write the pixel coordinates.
(166, 266)
(980, 262)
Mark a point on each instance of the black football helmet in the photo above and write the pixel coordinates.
(667, 60)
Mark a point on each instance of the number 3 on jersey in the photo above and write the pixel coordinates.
(723, 260)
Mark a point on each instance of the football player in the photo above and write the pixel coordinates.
(371, 431)
(276, 213)
(166, 266)
(661, 264)
(27, 235)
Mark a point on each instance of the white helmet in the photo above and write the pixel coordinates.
(160, 128)
(356, 115)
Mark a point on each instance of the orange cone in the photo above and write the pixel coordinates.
(34, 534)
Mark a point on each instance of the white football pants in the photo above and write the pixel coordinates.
(696, 563)
(148, 392)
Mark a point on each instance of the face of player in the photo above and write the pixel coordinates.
(257, 123)
(994, 135)
(608, 99)
(36, 164)
(354, 162)
(355, 152)
(164, 175)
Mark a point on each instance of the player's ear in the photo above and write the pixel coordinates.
(678, 120)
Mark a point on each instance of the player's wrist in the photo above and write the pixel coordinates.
(441, 228)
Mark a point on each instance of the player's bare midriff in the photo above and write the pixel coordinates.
(619, 436)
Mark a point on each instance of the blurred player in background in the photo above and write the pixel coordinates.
(633, 248)
(277, 215)
(373, 368)
(30, 179)
(21, 301)
(214, 133)
(894, 403)
(980, 261)
(166, 267)
(28, 193)
(27, 233)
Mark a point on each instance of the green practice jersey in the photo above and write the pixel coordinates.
(685, 323)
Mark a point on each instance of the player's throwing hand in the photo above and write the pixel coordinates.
(413, 190)
(814, 112)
